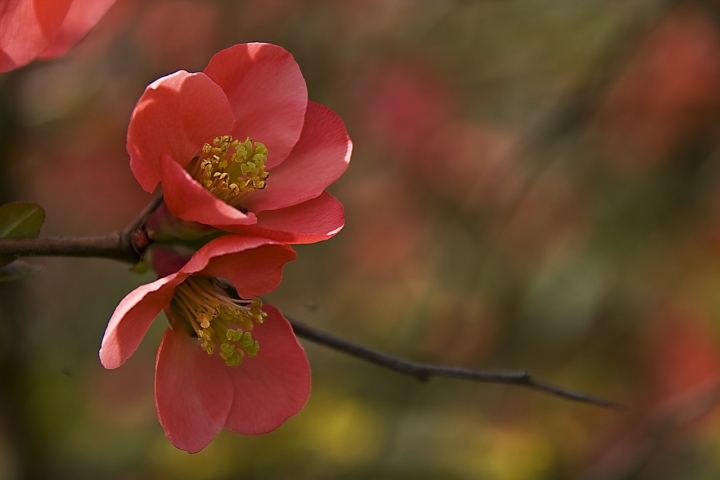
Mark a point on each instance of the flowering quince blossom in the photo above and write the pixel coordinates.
(224, 362)
(31, 29)
(240, 148)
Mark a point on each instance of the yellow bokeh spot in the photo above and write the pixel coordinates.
(499, 453)
(341, 429)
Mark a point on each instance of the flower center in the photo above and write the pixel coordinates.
(231, 169)
(220, 322)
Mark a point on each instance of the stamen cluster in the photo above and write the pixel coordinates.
(230, 169)
(219, 321)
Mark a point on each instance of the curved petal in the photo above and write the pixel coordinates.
(175, 116)
(82, 16)
(221, 247)
(133, 317)
(165, 260)
(267, 92)
(252, 272)
(318, 159)
(193, 393)
(27, 28)
(272, 386)
(309, 222)
(187, 199)
(163, 226)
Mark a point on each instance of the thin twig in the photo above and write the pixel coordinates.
(120, 246)
(142, 216)
(424, 371)
(117, 247)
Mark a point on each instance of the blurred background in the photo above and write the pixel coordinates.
(535, 184)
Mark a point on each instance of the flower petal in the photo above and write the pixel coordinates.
(308, 222)
(318, 159)
(272, 386)
(176, 115)
(189, 200)
(193, 393)
(165, 260)
(133, 317)
(82, 16)
(252, 264)
(252, 272)
(267, 92)
(27, 28)
(221, 247)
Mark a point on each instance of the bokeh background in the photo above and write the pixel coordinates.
(535, 184)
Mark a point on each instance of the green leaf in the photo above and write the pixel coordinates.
(19, 220)
(18, 270)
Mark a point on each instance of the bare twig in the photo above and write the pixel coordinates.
(424, 371)
(125, 246)
(122, 246)
(143, 215)
(112, 246)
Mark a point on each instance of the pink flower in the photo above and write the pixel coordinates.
(31, 29)
(239, 147)
(224, 363)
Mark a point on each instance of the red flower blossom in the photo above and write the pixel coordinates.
(31, 29)
(215, 368)
(216, 139)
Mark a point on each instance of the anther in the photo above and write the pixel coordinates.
(220, 322)
(231, 170)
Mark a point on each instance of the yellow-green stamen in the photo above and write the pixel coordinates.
(231, 169)
(220, 322)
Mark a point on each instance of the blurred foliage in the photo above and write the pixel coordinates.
(534, 185)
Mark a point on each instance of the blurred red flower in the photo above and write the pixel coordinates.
(31, 29)
(682, 355)
(175, 33)
(214, 137)
(405, 106)
(197, 393)
(667, 96)
(415, 114)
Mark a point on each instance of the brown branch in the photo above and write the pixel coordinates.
(143, 215)
(125, 246)
(113, 246)
(424, 371)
